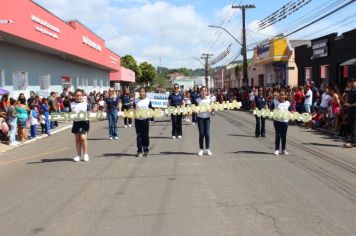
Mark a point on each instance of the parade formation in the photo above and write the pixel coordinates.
(153, 117)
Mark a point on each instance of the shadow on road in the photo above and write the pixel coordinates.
(253, 152)
(160, 137)
(321, 144)
(177, 153)
(50, 160)
(241, 135)
(117, 155)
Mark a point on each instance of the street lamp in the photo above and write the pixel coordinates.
(243, 53)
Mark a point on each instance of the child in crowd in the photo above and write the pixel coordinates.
(317, 119)
(33, 121)
(43, 123)
(188, 103)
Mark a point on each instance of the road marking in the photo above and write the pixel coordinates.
(31, 157)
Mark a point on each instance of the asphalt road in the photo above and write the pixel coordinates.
(241, 190)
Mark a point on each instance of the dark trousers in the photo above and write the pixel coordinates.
(33, 131)
(142, 132)
(204, 132)
(352, 118)
(281, 134)
(177, 125)
(194, 117)
(127, 121)
(260, 126)
(299, 107)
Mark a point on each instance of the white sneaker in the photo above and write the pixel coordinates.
(110, 138)
(276, 152)
(284, 152)
(86, 157)
(130, 126)
(125, 126)
(179, 136)
(14, 143)
(208, 152)
(116, 138)
(76, 159)
(173, 137)
(201, 152)
(193, 123)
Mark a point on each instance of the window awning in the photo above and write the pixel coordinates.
(351, 62)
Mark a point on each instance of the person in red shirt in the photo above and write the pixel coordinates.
(299, 99)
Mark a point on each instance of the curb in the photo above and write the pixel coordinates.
(36, 139)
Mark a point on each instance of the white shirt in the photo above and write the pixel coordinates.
(142, 104)
(33, 120)
(325, 100)
(205, 101)
(78, 107)
(309, 100)
(101, 103)
(283, 107)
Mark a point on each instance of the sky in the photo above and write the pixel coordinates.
(174, 33)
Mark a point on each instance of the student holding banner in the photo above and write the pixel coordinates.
(80, 128)
(260, 103)
(176, 99)
(126, 105)
(193, 97)
(203, 119)
(142, 124)
(280, 124)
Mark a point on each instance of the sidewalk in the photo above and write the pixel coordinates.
(61, 126)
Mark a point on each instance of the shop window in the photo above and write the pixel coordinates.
(78, 82)
(95, 83)
(101, 83)
(308, 72)
(44, 81)
(83, 82)
(20, 80)
(325, 74)
(2, 78)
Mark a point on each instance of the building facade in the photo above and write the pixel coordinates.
(41, 52)
(324, 61)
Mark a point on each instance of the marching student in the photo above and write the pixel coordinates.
(126, 105)
(193, 97)
(81, 127)
(203, 119)
(176, 99)
(281, 125)
(112, 104)
(260, 103)
(142, 125)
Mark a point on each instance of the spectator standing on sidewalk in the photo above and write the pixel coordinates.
(316, 96)
(33, 120)
(45, 111)
(193, 97)
(299, 99)
(12, 118)
(22, 117)
(351, 104)
(308, 99)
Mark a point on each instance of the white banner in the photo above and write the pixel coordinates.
(158, 100)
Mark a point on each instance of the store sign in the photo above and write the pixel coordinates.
(113, 60)
(260, 50)
(6, 22)
(91, 43)
(66, 80)
(45, 27)
(320, 48)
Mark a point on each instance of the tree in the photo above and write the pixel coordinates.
(148, 73)
(129, 62)
(160, 80)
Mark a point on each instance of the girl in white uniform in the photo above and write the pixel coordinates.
(80, 128)
(142, 125)
(281, 125)
(203, 120)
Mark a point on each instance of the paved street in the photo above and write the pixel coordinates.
(242, 190)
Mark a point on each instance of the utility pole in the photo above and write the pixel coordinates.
(206, 57)
(244, 49)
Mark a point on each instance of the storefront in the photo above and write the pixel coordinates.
(273, 63)
(124, 78)
(43, 53)
(329, 60)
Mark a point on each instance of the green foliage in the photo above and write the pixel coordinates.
(148, 73)
(129, 62)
